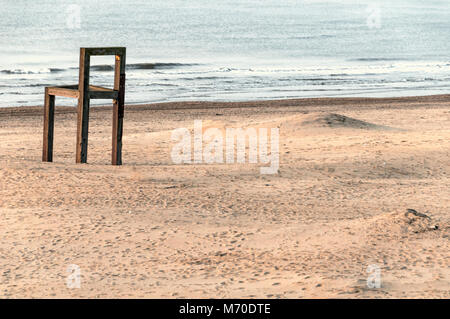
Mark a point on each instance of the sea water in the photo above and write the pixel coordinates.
(180, 50)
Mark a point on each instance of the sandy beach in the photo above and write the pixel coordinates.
(349, 170)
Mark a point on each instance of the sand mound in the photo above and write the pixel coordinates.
(337, 120)
(400, 224)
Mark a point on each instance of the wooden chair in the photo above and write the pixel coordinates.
(84, 93)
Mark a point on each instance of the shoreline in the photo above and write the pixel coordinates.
(204, 105)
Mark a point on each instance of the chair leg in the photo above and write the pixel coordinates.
(117, 129)
(82, 129)
(49, 123)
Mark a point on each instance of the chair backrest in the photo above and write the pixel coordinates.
(85, 61)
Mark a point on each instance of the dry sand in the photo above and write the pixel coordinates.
(349, 170)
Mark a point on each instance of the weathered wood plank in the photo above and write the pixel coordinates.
(118, 110)
(106, 51)
(83, 108)
(103, 95)
(62, 91)
(117, 131)
(98, 92)
(99, 88)
(49, 124)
